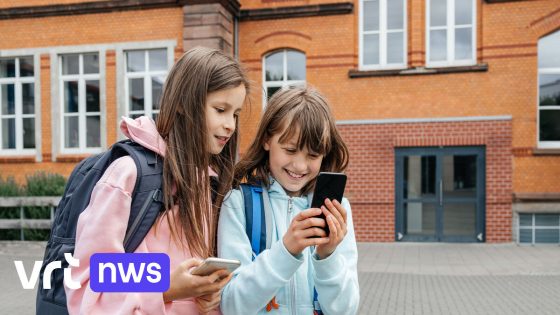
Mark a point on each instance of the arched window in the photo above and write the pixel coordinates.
(283, 68)
(549, 91)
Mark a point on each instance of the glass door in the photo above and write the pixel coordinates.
(440, 194)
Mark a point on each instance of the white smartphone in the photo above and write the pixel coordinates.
(212, 264)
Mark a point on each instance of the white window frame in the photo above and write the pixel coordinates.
(545, 144)
(450, 28)
(81, 77)
(147, 75)
(17, 81)
(383, 65)
(533, 227)
(284, 82)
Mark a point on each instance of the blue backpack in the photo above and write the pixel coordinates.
(258, 219)
(147, 201)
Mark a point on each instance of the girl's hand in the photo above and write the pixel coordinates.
(185, 285)
(305, 230)
(336, 219)
(209, 302)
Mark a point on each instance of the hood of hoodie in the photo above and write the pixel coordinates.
(143, 131)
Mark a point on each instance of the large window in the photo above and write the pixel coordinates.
(283, 68)
(549, 91)
(17, 105)
(451, 32)
(80, 101)
(382, 34)
(145, 74)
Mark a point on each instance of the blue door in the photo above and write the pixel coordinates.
(440, 194)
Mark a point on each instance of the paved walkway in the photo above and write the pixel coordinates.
(398, 278)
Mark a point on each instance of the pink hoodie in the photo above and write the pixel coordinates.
(101, 229)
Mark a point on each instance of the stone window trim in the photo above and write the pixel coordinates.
(356, 73)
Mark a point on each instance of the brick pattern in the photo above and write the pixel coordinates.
(371, 172)
(209, 25)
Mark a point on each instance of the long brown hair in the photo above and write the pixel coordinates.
(292, 110)
(182, 124)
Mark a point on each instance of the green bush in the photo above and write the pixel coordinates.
(38, 184)
(10, 188)
(45, 184)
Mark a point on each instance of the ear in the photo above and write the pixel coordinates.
(266, 145)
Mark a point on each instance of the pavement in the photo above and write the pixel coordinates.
(397, 278)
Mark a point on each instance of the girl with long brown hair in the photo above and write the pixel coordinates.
(195, 138)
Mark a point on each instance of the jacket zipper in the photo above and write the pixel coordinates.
(292, 280)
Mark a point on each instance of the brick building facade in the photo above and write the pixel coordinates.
(449, 107)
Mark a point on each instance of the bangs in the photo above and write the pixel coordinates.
(311, 126)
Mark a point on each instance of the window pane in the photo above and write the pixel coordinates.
(371, 49)
(459, 176)
(438, 45)
(395, 12)
(549, 50)
(371, 15)
(395, 47)
(419, 176)
(296, 65)
(92, 96)
(547, 236)
(157, 87)
(135, 61)
(70, 64)
(463, 43)
(525, 219)
(91, 63)
(526, 236)
(420, 218)
(136, 94)
(273, 66)
(7, 68)
(71, 96)
(158, 59)
(549, 125)
(271, 90)
(438, 12)
(459, 219)
(8, 99)
(546, 220)
(71, 132)
(134, 116)
(26, 66)
(9, 133)
(29, 133)
(549, 89)
(463, 12)
(28, 98)
(93, 138)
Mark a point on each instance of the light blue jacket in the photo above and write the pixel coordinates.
(276, 272)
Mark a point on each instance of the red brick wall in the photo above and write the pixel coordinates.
(371, 172)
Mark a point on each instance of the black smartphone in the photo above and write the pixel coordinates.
(328, 185)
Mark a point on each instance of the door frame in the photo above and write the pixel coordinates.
(439, 152)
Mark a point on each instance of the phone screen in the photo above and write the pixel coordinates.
(328, 185)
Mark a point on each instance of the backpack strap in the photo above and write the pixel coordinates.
(147, 197)
(257, 209)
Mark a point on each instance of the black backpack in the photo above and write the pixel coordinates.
(147, 202)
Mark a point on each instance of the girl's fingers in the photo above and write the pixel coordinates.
(341, 209)
(335, 210)
(333, 228)
(316, 241)
(312, 222)
(311, 232)
(309, 213)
